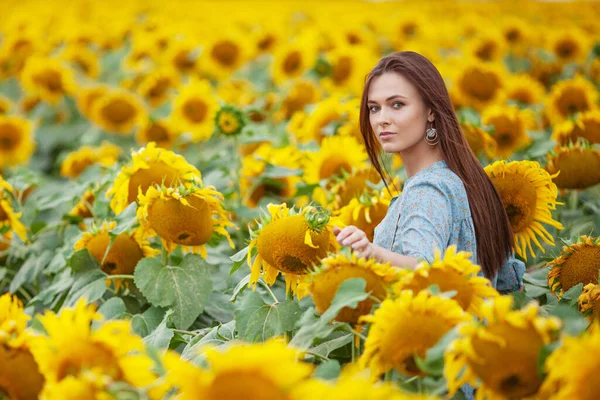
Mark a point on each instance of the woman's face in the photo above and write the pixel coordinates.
(397, 113)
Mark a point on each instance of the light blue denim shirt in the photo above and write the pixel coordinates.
(433, 212)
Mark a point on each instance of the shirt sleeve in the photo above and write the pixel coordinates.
(424, 223)
(510, 276)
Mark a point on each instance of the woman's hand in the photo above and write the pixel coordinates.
(354, 238)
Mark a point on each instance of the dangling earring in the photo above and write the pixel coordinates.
(431, 136)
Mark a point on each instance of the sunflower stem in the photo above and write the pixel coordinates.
(268, 289)
(120, 276)
(320, 357)
(184, 332)
(358, 334)
(388, 376)
(165, 256)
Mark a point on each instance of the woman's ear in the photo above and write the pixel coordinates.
(430, 116)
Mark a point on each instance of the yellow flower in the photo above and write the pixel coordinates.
(194, 110)
(366, 211)
(325, 280)
(302, 93)
(568, 45)
(160, 131)
(149, 166)
(88, 96)
(589, 303)
(118, 111)
(49, 78)
(5, 105)
(19, 373)
(240, 92)
(585, 125)
(292, 60)
(406, 327)
(349, 66)
(577, 166)
(9, 219)
(325, 119)
(577, 263)
(289, 242)
(83, 59)
(16, 140)
(242, 371)
(480, 141)
(500, 355)
(528, 195)
(337, 154)
(478, 85)
(156, 86)
(488, 46)
(254, 187)
(182, 55)
(77, 161)
(569, 97)
(224, 54)
(73, 348)
(186, 216)
(572, 369)
(83, 207)
(230, 120)
(116, 256)
(454, 271)
(523, 89)
(510, 125)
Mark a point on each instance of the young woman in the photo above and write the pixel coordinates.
(448, 198)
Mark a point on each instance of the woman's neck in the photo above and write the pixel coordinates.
(416, 159)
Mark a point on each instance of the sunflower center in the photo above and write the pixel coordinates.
(118, 111)
(82, 65)
(19, 374)
(154, 175)
(247, 385)
(512, 35)
(480, 84)
(190, 225)
(486, 51)
(572, 101)
(565, 49)
(276, 188)
(195, 110)
(226, 53)
(10, 137)
(519, 198)
(292, 63)
(266, 43)
(159, 88)
(507, 363)
(334, 165)
(353, 38)
(580, 267)
(49, 79)
(447, 280)
(184, 61)
(157, 133)
(122, 257)
(342, 70)
(92, 356)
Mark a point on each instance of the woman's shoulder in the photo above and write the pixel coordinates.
(436, 177)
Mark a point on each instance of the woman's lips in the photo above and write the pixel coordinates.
(385, 135)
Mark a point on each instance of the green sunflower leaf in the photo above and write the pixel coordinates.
(185, 287)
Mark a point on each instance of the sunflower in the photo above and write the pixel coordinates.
(77, 161)
(579, 166)
(500, 355)
(142, 54)
(348, 186)
(149, 166)
(528, 195)
(406, 327)
(478, 85)
(569, 45)
(302, 93)
(323, 121)
(5, 105)
(480, 141)
(160, 131)
(73, 348)
(572, 369)
(349, 65)
(118, 111)
(337, 154)
(9, 219)
(517, 35)
(186, 216)
(241, 371)
(83, 59)
(118, 255)
(253, 185)
(453, 271)
(194, 110)
(585, 125)
(230, 120)
(183, 55)
(324, 281)
(19, 373)
(156, 86)
(224, 54)
(525, 90)
(366, 211)
(16, 140)
(589, 303)
(577, 263)
(49, 78)
(83, 207)
(289, 242)
(569, 97)
(487, 47)
(510, 125)
(240, 92)
(292, 60)
(88, 96)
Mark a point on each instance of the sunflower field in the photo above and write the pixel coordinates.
(171, 173)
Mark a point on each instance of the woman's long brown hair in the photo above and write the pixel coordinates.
(492, 226)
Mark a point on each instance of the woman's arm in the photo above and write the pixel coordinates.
(356, 239)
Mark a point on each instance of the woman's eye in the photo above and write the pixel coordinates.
(397, 104)
(373, 108)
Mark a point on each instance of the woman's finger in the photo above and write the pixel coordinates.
(354, 237)
(361, 245)
(347, 231)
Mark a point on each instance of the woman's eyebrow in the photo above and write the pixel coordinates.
(389, 98)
